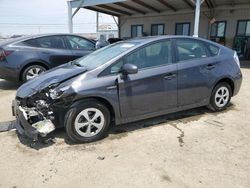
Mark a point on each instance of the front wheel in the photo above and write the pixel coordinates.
(87, 122)
(220, 97)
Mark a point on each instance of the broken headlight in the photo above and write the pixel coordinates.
(56, 93)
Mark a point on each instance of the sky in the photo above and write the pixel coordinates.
(45, 16)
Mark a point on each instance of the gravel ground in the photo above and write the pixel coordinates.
(195, 148)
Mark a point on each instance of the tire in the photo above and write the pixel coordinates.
(81, 122)
(221, 97)
(32, 71)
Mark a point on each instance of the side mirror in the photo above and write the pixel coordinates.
(129, 69)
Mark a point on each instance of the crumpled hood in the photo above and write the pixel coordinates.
(53, 76)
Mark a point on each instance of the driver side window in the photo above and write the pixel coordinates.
(78, 43)
(153, 55)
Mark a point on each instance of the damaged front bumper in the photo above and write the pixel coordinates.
(31, 122)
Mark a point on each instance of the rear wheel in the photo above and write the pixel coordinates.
(32, 72)
(88, 122)
(220, 97)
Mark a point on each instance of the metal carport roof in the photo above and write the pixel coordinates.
(132, 7)
(142, 7)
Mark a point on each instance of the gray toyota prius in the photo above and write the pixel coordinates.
(125, 82)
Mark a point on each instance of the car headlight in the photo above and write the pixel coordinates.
(56, 93)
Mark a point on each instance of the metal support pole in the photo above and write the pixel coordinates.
(70, 21)
(119, 27)
(97, 22)
(197, 18)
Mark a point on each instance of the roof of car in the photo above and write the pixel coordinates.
(148, 39)
(27, 37)
(153, 38)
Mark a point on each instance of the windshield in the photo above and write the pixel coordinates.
(104, 55)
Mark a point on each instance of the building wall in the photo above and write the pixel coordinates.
(108, 34)
(231, 16)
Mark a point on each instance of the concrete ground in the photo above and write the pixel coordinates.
(195, 148)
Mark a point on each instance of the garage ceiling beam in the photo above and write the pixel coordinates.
(114, 9)
(102, 11)
(78, 8)
(189, 3)
(213, 3)
(139, 2)
(209, 4)
(167, 5)
(232, 2)
(88, 3)
(130, 7)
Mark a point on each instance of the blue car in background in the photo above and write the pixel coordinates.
(125, 82)
(26, 57)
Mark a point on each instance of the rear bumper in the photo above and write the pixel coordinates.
(8, 73)
(237, 83)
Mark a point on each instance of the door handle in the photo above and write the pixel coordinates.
(111, 87)
(210, 66)
(170, 76)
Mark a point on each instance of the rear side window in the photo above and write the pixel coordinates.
(56, 42)
(214, 50)
(31, 42)
(189, 49)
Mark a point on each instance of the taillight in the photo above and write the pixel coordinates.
(4, 54)
(236, 58)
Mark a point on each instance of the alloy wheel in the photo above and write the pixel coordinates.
(89, 122)
(222, 97)
(33, 72)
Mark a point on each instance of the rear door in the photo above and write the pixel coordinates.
(195, 66)
(80, 46)
(52, 49)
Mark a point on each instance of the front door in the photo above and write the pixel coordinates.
(154, 87)
(80, 46)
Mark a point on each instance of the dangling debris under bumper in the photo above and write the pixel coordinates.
(24, 116)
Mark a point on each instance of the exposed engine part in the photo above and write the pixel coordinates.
(44, 127)
(40, 104)
(29, 112)
(39, 118)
